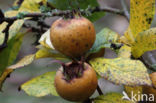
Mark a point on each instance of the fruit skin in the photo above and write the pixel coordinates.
(153, 78)
(72, 37)
(150, 90)
(78, 89)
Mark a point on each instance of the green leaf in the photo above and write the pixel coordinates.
(154, 66)
(145, 41)
(95, 16)
(41, 85)
(70, 4)
(111, 98)
(122, 71)
(8, 54)
(103, 40)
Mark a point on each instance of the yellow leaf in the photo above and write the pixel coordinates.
(122, 71)
(4, 76)
(15, 27)
(125, 52)
(135, 90)
(23, 62)
(31, 5)
(123, 40)
(145, 41)
(45, 40)
(41, 85)
(111, 98)
(141, 16)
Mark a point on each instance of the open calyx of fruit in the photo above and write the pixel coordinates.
(73, 37)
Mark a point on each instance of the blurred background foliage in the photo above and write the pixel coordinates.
(10, 92)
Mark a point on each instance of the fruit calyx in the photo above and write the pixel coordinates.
(73, 70)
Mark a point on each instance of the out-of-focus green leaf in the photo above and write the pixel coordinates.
(154, 66)
(95, 16)
(122, 71)
(41, 85)
(8, 55)
(70, 4)
(111, 98)
(103, 40)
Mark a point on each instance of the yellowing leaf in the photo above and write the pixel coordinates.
(8, 55)
(23, 62)
(135, 90)
(123, 40)
(13, 29)
(4, 76)
(145, 41)
(45, 40)
(141, 16)
(122, 71)
(111, 98)
(125, 52)
(41, 85)
(31, 5)
(49, 53)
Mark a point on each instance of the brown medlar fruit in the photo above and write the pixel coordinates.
(80, 85)
(72, 37)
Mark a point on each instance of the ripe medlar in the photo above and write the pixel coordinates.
(72, 37)
(75, 82)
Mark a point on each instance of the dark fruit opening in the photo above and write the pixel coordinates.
(73, 70)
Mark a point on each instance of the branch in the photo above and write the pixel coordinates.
(99, 90)
(108, 9)
(62, 13)
(126, 13)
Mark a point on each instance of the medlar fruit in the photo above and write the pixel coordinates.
(72, 37)
(151, 90)
(74, 86)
